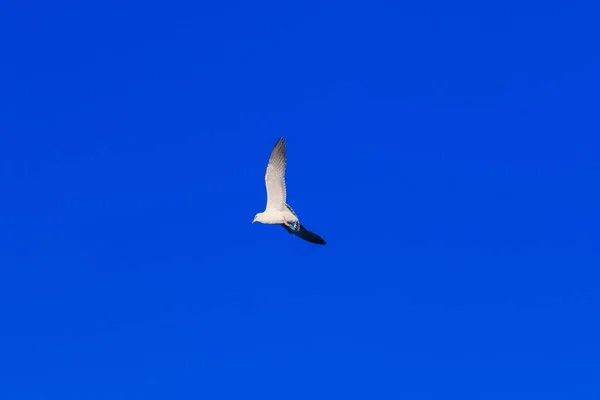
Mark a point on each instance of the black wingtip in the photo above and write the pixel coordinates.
(318, 240)
(281, 141)
(309, 236)
(279, 145)
(305, 234)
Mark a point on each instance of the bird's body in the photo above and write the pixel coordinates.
(275, 217)
(277, 211)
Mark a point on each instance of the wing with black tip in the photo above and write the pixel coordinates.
(305, 234)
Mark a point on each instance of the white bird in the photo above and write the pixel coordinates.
(277, 211)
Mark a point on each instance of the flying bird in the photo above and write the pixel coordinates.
(278, 212)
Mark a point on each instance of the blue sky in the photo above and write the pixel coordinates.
(446, 152)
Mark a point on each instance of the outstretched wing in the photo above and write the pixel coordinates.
(305, 234)
(275, 178)
(309, 236)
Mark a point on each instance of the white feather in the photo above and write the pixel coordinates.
(275, 178)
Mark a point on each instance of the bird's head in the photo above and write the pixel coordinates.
(257, 218)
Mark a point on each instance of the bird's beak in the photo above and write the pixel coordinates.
(253, 221)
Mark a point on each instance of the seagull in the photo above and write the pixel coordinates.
(278, 212)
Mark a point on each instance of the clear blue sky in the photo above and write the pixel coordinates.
(447, 152)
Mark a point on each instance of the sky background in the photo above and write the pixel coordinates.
(447, 152)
